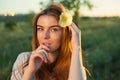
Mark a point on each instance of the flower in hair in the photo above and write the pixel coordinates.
(65, 19)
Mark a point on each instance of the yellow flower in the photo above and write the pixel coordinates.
(65, 19)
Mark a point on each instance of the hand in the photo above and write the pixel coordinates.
(76, 36)
(37, 57)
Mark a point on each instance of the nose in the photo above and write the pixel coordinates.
(46, 35)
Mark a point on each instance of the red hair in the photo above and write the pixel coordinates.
(60, 68)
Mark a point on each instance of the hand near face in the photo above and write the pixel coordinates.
(38, 57)
(76, 36)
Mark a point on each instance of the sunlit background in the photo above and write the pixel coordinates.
(101, 7)
(100, 29)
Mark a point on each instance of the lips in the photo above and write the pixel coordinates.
(46, 44)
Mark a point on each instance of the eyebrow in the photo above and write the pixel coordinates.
(50, 26)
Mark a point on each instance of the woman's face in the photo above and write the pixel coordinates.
(49, 33)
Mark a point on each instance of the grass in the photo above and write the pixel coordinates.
(11, 44)
(100, 43)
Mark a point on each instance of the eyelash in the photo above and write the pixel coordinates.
(54, 29)
(40, 29)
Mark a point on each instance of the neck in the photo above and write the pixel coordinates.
(53, 56)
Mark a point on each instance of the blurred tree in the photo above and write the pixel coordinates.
(29, 17)
(10, 25)
(73, 6)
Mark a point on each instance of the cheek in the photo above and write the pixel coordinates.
(39, 37)
(57, 39)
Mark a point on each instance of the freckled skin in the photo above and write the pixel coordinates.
(52, 40)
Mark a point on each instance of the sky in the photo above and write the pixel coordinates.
(101, 7)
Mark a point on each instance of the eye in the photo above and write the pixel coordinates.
(40, 29)
(54, 29)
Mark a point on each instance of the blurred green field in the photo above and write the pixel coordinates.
(100, 44)
(13, 42)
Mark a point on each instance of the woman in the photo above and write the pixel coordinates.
(56, 51)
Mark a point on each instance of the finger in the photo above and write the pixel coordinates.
(44, 54)
(74, 27)
(43, 47)
(72, 30)
(40, 54)
(35, 54)
(75, 32)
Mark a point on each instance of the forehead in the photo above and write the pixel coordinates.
(47, 20)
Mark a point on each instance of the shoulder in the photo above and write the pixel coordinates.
(23, 55)
(16, 71)
(22, 58)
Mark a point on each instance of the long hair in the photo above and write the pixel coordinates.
(60, 68)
